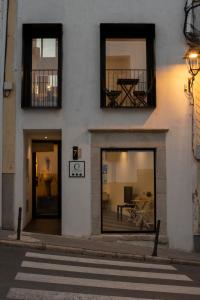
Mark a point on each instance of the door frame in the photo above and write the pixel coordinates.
(34, 216)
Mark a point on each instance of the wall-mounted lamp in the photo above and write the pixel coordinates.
(7, 88)
(191, 30)
(192, 57)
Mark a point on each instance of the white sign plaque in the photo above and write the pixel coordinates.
(77, 169)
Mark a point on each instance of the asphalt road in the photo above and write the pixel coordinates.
(31, 274)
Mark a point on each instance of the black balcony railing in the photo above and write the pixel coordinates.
(126, 88)
(44, 88)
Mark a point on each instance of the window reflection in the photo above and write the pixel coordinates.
(44, 72)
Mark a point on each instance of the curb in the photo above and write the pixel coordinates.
(98, 253)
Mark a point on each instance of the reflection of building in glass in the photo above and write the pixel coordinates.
(44, 71)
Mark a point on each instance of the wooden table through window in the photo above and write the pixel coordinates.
(120, 209)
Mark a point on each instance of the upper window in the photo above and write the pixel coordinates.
(42, 62)
(127, 65)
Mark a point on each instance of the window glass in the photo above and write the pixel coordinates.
(125, 59)
(128, 191)
(42, 65)
(127, 65)
(44, 71)
(49, 48)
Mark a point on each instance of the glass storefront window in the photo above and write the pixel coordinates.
(128, 190)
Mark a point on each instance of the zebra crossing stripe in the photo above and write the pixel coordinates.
(19, 293)
(100, 261)
(101, 271)
(97, 283)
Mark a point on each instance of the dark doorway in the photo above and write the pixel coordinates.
(45, 225)
(46, 179)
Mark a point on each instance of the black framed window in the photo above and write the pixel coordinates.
(128, 190)
(42, 66)
(127, 65)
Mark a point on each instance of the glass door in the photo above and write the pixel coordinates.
(46, 179)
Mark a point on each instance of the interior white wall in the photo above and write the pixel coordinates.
(135, 49)
(127, 168)
(81, 103)
(124, 168)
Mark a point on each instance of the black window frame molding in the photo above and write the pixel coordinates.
(39, 30)
(129, 30)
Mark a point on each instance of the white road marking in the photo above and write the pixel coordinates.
(100, 261)
(93, 270)
(132, 286)
(30, 294)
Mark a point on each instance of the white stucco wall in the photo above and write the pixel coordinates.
(81, 103)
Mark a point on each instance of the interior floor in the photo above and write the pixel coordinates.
(47, 226)
(112, 223)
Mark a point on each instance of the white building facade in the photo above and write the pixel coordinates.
(126, 155)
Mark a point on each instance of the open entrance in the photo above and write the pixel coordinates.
(46, 179)
(43, 185)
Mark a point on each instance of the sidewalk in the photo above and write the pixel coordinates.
(103, 246)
